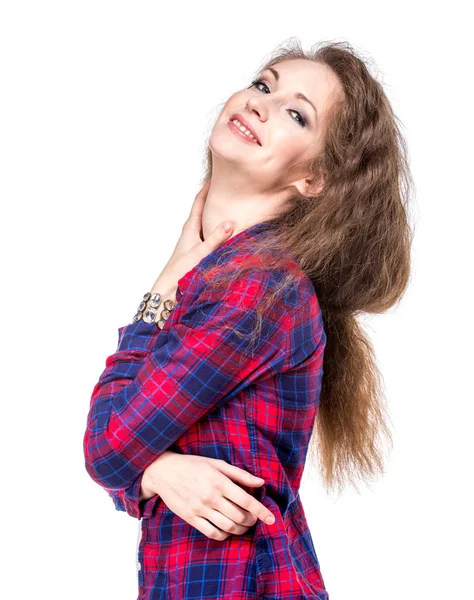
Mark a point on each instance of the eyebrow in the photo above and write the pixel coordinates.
(298, 95)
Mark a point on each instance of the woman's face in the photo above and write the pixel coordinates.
(288, 127)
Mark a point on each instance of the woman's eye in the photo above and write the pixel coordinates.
(301, 122)
(257, 82)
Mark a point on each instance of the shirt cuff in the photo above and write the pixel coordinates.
(137, 336)
(133, 506)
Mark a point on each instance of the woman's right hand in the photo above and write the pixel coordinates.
(197, 488)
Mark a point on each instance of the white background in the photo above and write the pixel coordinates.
(105, 110)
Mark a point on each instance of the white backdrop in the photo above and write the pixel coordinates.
(104, 112)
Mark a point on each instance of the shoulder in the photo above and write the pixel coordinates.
(285, 300)
(306, 334)
(300, 292)
(287, 287)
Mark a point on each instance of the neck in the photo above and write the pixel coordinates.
(233, 195)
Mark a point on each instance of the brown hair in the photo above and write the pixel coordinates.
(353, 241)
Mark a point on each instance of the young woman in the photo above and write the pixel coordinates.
(309, 165)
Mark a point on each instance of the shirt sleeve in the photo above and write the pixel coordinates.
(128, 500)
(203, 363)
(135, 343)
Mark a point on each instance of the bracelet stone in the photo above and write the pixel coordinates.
(165, 313)
(147, 310)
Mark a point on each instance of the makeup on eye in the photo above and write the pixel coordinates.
(301, 123)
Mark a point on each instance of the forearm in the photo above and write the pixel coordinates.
(137, 342)
(140, 338)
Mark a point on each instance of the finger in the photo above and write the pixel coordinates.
(224, 523)
(238, 474)
(199, 201)
(240, 497)
(220, 234)
(242, 476)
(234, 512)
(208, 529)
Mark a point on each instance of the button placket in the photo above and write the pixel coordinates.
(139, 539)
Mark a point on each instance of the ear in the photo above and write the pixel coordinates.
(309, 186)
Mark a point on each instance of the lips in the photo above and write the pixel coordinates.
(245, 124)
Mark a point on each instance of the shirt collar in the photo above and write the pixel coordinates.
(248, 233)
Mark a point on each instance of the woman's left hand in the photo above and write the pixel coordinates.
(190, 248)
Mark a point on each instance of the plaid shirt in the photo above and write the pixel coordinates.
(193, 388)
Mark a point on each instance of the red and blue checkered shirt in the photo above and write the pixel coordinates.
(194, 388)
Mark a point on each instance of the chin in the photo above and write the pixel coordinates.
(225, 148)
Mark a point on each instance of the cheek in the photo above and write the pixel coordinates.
(288, 146)
(235, 103)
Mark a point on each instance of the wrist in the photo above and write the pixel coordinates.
(145, 492)
(166, 287)
(146, 487)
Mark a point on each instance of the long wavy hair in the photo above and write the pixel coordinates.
(353, 241)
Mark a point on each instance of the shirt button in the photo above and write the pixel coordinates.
(139, 566)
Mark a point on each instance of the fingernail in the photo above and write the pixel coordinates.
(269, 520)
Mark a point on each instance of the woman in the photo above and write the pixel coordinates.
(309, 165)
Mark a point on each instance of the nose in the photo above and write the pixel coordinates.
(255, 104)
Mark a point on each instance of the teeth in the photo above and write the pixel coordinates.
(243, 129)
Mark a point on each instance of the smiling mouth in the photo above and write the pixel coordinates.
(248, 137)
